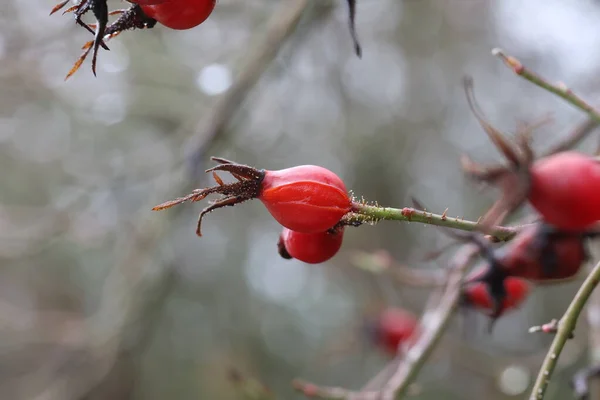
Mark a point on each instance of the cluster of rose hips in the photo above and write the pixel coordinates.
(145, 14)
(308, 201)
(540, 253)
(564, 189)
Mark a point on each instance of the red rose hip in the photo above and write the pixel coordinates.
(148, 2)
(564, 187)
(178, 14)
(565, 190)
(478, 295)
(542, 253)
(304, 199)
(311, 248)
(393, 328)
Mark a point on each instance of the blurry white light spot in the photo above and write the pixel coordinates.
(116, 60)
(214, 79)
(514, 380)
(109, 108)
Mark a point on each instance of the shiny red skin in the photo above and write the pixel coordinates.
(477, 295)
(524, 256)
(148, 2)
(395, 327)
(565, 190)
(179, 14)
(312, 248)
(306, 198)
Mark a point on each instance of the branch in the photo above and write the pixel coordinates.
(564, 331)
(549, 327)
(249, 388)
(593, 333)
(559, 89)
(434, 322)
(382, 262)
(579, 133)
(363, 213)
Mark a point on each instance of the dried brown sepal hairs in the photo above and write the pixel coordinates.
(134, 18)
(131, 18)
(512, 179)
(352, 27)
(246, 187)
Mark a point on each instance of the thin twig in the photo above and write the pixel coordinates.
(363, 213)
(382, 262)
(249, 388)
(579, 133)
(559, 89)
(437, 319)
(567, 324)
(434, 322)
(566, 327)
(593, 333)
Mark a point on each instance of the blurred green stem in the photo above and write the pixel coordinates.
(362, 213)
(560, 89)
(249, 388)
(565, 329)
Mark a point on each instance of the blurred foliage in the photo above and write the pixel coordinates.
(102, 299)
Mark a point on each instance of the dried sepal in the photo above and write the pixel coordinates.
(352, 26)
(131, 18)
(513, 180)
(499, 140)
(481, 172)
(514, 187)
(59, 6)
(245, 188)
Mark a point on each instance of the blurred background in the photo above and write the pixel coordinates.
(100, 298)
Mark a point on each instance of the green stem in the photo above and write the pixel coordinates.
(363, 213)
(560, 89)
(565, 329)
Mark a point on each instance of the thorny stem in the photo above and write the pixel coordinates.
(560, 89)
(550, 327)
(363, 213)
(567, 323)
(565, 329)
